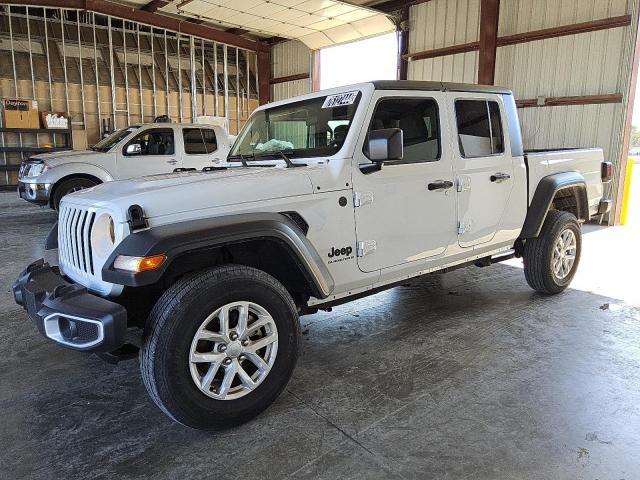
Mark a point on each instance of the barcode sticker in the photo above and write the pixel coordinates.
(340, 99)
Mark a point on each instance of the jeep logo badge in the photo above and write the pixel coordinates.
(344, 251)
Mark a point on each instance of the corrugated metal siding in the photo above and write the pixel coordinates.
(443, 23)
(290, 58)
(517, 16)
(594, 63)
(462, 67)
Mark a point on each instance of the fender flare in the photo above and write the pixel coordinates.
(177, 239)
(543, 197)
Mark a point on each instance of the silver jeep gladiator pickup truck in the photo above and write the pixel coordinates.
(327, 197)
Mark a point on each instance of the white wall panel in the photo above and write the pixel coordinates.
(443, 23)
(290, 58)
(518, 16)
(462, 67)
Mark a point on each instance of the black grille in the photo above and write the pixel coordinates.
(86, 332)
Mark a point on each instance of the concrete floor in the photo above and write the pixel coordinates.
(464, 375)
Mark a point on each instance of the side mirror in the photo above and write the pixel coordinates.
(134, 149)
(385, 144)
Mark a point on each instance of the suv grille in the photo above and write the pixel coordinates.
(74, 238)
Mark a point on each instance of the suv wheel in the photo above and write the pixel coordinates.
(551, 259)
(70, 186)
(220, 346)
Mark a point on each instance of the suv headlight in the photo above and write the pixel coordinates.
(37, 169)
(103, 235)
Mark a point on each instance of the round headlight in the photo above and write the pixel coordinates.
(103, 235)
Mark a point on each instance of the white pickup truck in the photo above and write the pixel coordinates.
(138, 150)
(375, 184)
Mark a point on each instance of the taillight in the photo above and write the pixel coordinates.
(606, 171)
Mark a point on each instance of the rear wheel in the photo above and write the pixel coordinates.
(70, 186)
(551, 259)
(220, 346)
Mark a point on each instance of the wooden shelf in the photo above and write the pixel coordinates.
(66, 131)
(33, 149)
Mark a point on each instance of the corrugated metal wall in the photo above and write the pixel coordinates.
(290, 58)
(594, 63)
(443, 23)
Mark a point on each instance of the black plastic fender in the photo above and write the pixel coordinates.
(179, 238)
(543, 199)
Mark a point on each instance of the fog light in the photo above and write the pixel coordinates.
(68, 328)
(138, 264)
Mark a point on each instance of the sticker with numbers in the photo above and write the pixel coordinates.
(340, 99)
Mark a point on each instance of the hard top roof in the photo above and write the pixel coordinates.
(438, 86)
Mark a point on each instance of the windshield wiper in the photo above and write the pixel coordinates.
(284, 156)
(240, 157)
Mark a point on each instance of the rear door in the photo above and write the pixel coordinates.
(484, 167)
(405, 211)
(150, 152)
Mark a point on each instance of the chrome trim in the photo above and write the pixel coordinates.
(52, 330)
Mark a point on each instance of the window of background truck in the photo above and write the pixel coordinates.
(210, 141)
(419, 121)
(199, 141)
(309, 128)
(479, 128)
(155, 141)
(106, 144)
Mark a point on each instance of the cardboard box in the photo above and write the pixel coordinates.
(55, 120)
(20, 113)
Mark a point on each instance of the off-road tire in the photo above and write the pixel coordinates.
(538, 253)
(171, 326)
(68, 186)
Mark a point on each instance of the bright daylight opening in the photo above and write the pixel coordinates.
(371, 59)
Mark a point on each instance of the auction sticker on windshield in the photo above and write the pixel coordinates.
(340, 99)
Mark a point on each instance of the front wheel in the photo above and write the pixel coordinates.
(551, 259)
(220, 346)
(70, 186)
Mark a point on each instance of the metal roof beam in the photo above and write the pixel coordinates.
(105, 7)
(154, 5)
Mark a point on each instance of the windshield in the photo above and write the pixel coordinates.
(309, 128)
(105, 144)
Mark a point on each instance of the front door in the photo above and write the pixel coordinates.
(150, 152)
(484, 169)
(405, 211)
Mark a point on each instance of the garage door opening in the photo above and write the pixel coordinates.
(371, 59)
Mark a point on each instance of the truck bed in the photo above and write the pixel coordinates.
(586, 161)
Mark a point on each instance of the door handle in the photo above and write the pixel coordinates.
(500, 177)
(440, 185)
(172, 161)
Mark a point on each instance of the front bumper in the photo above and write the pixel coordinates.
(67, 313)
(37, 193)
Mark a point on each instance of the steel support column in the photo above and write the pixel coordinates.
(403, 44)
(264, 76)
(489, 15)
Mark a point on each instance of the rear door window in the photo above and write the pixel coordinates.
(193, 141)
(479, 128)
(199, 141)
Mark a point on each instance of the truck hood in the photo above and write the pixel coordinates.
(85, 156)
(174, 193)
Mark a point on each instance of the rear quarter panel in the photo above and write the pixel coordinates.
(586, 161)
